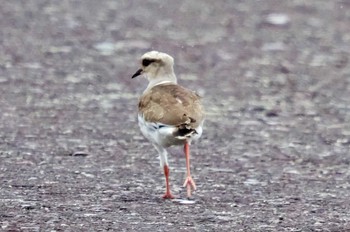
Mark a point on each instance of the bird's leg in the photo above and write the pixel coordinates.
(167, 194)
(189, 182)
(163, 155)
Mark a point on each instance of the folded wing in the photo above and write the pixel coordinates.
(173, 105)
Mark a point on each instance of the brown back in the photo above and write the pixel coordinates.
(171, 104)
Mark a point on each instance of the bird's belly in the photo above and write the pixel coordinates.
(163, 134)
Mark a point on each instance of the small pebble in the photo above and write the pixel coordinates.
(79, 153)
(277, 19)
(184, 201)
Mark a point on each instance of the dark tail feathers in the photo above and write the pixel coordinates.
(184, 131)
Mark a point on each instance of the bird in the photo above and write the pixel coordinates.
(168, 114)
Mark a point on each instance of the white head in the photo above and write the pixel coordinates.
(157, 67)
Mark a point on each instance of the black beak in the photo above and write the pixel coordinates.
(138, 73)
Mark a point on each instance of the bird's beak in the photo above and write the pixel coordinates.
(138, 73)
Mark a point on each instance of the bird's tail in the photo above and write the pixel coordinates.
(184, 131)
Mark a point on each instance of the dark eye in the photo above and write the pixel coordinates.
(147, 62)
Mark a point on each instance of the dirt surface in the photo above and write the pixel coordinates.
(274, 76)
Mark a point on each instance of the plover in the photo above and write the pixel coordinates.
(169, 114)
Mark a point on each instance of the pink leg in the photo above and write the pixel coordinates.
(189, 182)
(167, 194)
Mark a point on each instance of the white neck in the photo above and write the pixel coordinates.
(158, 81)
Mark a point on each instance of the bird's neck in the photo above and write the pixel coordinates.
(171, 78)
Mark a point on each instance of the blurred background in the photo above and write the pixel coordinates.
(274, 76)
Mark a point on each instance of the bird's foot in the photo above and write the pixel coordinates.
(168, 195)
(189, 183)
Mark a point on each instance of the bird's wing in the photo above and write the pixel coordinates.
(171, 104)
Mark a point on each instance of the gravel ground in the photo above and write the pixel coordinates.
(275, 78)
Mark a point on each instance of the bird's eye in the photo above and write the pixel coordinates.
(147, 62)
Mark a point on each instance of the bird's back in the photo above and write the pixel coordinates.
(171, 104)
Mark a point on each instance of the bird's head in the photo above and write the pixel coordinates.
(157, 67)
